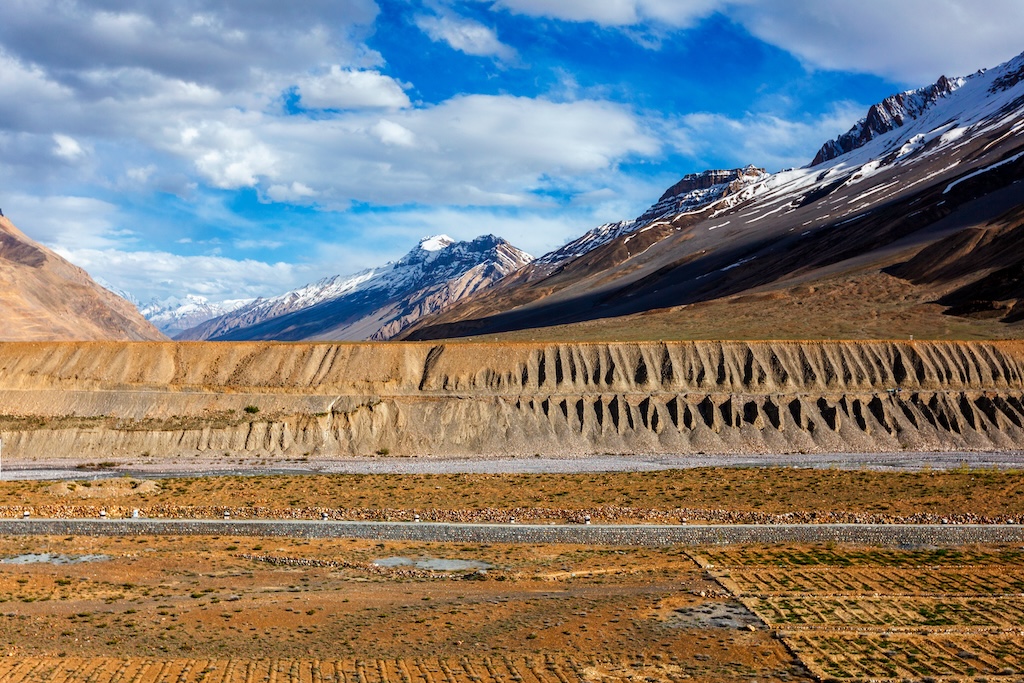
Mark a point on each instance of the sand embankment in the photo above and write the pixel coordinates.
(88, 401)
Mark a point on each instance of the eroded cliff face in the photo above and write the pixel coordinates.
(93, 401)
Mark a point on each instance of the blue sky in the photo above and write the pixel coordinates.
(243, 148)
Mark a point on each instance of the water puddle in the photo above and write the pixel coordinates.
(716, 615)
(52, 558)
(432, 564)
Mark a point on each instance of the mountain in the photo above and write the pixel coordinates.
(695, 192)
(175, 315)
(45, 298)
(377, 303)
(908, 224)
(892, 112)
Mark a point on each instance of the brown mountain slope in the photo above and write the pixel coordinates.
(45, 298)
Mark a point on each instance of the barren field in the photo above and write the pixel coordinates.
(701, 494)
(191, 609)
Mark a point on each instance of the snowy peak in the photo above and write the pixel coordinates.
(436, 243)
(694, 192)
(1011, 74)
(174, 314)
(374, 303)
(892, 112)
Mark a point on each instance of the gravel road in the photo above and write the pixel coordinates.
(895, 462)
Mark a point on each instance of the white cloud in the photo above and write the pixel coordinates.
(223, 44)
(472, 149)
(230, 155)
(913, 41)
(153, 274)
(296, 193)
(391, 133)
(77, 222)
(67, 147)
(352, 89)
(465, 35)
(760, 139)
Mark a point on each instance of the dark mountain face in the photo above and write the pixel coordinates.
(923, 167)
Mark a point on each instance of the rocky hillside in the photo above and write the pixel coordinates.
(83, 402)
(45, 298)
(377, 303)
(818, 247)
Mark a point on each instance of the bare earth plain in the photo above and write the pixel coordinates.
(223, 608)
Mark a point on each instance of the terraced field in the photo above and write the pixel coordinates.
(540, 669)
(882, 614)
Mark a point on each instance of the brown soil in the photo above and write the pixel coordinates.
(713, 494)
(194, 598)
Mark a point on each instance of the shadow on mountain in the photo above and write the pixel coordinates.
(943, 219)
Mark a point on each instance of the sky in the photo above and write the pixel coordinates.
(242, 148)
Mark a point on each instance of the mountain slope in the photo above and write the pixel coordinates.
(952, 161)
(377, 303)
(45, 298)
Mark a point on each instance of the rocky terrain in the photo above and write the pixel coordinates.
(106, 401)
(43, 297)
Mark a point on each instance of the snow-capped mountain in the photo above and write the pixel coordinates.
(175, 315)
(922, 170)
(376, 303)
(892, 112)
(695, 192)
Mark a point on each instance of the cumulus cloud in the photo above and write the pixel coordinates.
(913, 41)
(67, 147)
(351, 89)
(471, 149)
(465, 35)
(760, 139)
(152, 274)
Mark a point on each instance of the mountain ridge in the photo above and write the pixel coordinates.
(375, 303)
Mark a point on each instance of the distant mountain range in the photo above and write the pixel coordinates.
(174, 315)
(377, 303)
